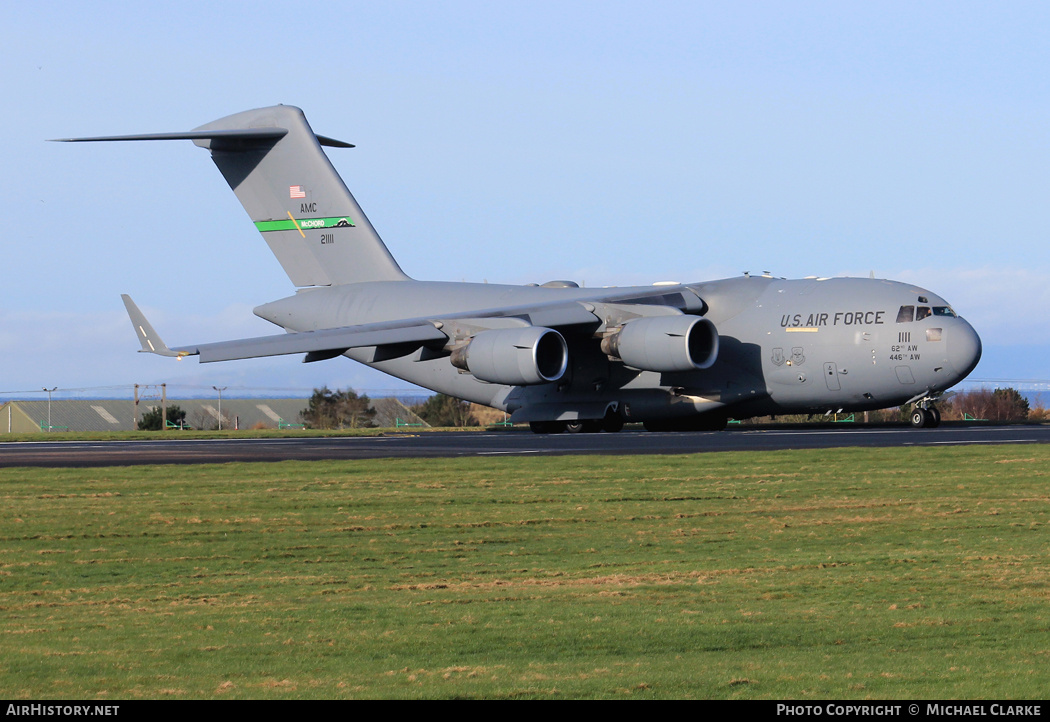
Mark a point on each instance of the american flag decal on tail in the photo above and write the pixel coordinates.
(296, 192)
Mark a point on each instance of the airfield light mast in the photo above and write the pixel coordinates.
(55, 388)
(220, 403)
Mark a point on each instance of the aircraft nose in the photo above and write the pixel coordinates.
(964, 348)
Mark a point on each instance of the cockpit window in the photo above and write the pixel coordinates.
(907, 314)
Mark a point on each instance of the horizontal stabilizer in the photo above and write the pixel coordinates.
(235, 134)
(332, 142)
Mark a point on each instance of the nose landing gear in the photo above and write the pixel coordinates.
(925, 416)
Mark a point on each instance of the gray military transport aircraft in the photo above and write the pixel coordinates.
(672, 356)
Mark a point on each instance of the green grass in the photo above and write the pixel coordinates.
(917, 573)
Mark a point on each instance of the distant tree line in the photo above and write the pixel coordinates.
(329, 409)
(995, 405)
(151, 420)
(442, 410)
(1001, 405)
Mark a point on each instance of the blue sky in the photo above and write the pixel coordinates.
(610, 142)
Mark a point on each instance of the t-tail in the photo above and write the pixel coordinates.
(273, 161)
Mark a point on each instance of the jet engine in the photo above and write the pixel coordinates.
(514, 356)
(665, 343)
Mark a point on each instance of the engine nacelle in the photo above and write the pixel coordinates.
(514, 356)
(665, 343)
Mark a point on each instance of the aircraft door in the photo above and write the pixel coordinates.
(831, 376)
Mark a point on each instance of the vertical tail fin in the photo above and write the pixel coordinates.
(274, 163)
(308, 217)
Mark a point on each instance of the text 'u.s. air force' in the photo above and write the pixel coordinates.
(839, 318)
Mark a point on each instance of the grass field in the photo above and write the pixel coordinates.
(915, 573)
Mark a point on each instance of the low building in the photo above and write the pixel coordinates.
(20, 417)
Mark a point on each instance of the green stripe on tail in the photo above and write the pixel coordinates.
(305, 224)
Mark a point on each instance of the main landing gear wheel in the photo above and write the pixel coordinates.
(584, 426)
(547, 427)
(612, 422)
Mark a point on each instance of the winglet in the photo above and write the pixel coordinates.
(149, 338)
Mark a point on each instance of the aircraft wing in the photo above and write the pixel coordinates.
(327, 343)
(148, 338)
(332, 340)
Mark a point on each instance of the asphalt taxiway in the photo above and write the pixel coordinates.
(501, 443)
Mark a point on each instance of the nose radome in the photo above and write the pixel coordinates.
(964, 348)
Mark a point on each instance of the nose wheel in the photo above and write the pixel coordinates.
(925, 418)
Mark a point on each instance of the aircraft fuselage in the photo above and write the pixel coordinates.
(785, 346)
